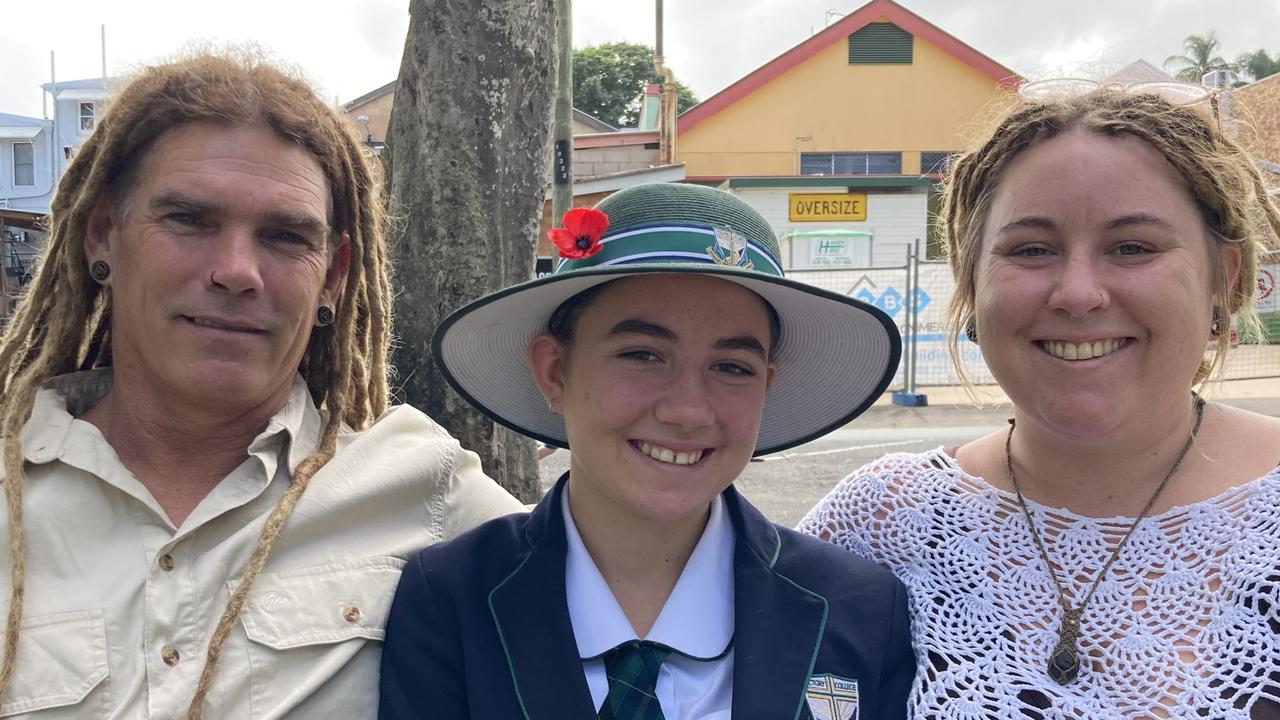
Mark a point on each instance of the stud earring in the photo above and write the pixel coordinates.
(99, 270)
(971, 330)
(324, 315)
(1215, 324)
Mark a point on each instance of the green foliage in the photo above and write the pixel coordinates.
(1199, 59)
(609, 80)
(1258, 64)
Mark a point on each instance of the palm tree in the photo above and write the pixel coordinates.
(1200, 57)
(1258, 64)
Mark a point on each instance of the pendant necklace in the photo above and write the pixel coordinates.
(1064, 661)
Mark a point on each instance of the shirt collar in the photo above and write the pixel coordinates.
(62, 398)
(697, 619)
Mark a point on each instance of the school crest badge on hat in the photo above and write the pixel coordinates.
(832, 698)
(730, 249)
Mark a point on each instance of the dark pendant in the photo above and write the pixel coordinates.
(1064, 665)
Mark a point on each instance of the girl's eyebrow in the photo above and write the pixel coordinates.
(742, 342)
(633, 326)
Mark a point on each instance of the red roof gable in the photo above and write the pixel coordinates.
(837, 32)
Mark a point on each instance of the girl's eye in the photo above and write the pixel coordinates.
(639, 356)
(733, 368)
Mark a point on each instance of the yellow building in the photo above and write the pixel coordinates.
(847, 131)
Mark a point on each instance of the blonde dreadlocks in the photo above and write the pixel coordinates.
(63, 322)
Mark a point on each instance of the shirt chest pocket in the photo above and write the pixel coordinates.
(314, 637)
(62, 668)
(322, 604)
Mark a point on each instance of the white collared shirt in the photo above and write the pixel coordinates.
(697, 620)
(121, 604)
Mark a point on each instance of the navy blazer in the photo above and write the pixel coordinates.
(480, 625)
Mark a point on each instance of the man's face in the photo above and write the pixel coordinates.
(219, 256)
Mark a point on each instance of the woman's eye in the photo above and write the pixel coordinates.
(1131, 248)
(1031, 251)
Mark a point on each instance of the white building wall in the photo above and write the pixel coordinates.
(67, 117)
(33, 198)
(895, 220)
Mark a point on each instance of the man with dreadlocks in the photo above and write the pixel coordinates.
(205, 340)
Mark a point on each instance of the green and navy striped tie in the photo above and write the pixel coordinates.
(632, 668)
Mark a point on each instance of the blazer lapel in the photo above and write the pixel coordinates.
(531, 612)
(778, 625)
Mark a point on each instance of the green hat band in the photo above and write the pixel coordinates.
(669, 243)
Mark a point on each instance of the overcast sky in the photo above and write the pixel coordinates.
(349, 47)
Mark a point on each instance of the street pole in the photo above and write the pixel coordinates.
(562, 180)
(667, 115)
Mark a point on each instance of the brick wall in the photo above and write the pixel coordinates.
(589, 162)
(1257, 110)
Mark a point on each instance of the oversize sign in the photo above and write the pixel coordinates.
(813, 207)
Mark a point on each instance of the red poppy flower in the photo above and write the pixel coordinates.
(580, 236)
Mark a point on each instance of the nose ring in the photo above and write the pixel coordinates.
(1102, 299)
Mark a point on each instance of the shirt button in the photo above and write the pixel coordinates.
(169, 654)
(166, 562)
(351, 614)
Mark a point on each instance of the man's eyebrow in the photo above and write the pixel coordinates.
(175, 199)
(632, 326)
(302, 221)
(1138, 218)
(742, 342)
(1034, 222)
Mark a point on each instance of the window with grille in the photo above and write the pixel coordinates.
(87, 116)
(24, 165)
(936, 163)
(880, 43)
(851, 163)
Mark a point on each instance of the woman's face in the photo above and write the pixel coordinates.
(1094, 288)
(661, 388)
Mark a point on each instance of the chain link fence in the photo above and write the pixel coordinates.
(929, 283)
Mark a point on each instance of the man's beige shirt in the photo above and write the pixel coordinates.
(121, 604)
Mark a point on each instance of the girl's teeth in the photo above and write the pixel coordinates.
(670, 456)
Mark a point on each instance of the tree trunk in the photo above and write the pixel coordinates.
(467, 174)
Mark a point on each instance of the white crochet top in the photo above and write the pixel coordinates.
(1186, 623)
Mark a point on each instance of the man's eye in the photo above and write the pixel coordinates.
(288, 237)
(185, 219)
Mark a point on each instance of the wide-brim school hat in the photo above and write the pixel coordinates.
(836, 355)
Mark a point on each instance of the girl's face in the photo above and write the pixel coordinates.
(661, 387)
